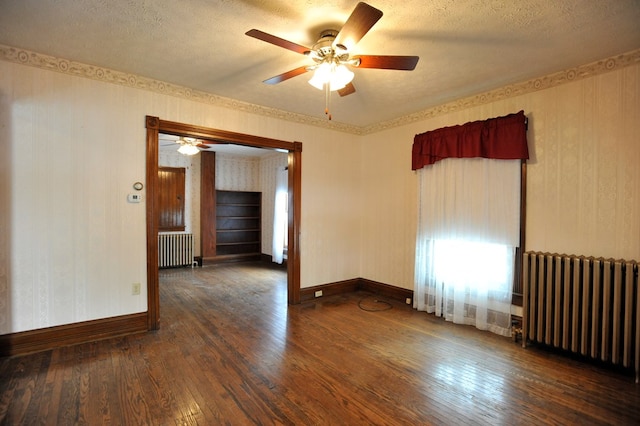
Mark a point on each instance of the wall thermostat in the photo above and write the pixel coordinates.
(134, 198)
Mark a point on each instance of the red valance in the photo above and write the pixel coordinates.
(503, 138)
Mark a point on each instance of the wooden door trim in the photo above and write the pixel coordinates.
(155, 126)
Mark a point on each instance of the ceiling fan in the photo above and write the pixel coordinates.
(331, 54)
(188, 146)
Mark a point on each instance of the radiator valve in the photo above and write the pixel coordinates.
(516, 329)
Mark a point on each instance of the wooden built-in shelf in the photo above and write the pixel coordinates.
(238, 224)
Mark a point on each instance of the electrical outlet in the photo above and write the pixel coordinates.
(319, 293)
(135, 289)
(408, 301)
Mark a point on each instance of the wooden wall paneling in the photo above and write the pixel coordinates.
(171, 196)
(208, 205)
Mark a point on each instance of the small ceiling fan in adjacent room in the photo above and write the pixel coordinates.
(186, 146)
(331, 55)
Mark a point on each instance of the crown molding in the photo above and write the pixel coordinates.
(513, 90)
(78, 69)
(65, 66)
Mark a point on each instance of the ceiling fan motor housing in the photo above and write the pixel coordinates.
(324, 50)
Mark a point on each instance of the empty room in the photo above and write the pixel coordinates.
(319, 212)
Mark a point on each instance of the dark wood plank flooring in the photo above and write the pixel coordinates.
(230, 351)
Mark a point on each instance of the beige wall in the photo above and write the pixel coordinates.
(583, 185)
(71, 246)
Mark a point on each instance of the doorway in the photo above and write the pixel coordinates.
(155, 126)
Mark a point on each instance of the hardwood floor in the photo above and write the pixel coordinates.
(230, 351)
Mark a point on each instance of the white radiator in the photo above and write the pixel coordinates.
(175, 250)
(583, 305)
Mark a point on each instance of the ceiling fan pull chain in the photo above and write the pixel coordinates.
(327, 99)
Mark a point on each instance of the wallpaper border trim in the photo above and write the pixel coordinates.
(51, 63)
(518, 89)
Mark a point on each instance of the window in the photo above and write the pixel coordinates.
(280, 220)
(488, 266)
(468, 231)
(469, 219)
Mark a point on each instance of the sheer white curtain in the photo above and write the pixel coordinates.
(280, 214)
(468, 230)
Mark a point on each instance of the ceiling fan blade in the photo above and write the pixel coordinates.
(261, 35)
(287, 75)
(405, 63)
(347, 90)
(359, 23)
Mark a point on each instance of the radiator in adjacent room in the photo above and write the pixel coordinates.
(583, 305)
(175, 250)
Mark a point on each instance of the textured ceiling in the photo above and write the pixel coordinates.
(466, 47)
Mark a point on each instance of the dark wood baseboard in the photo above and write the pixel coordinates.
(386, 290)
(229, 258)
(341, 287)
(263, 257)
(348, 286)
(71, 334)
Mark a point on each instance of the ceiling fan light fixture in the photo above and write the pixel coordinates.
(336, 75)
(342, 76)
(188, 149)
